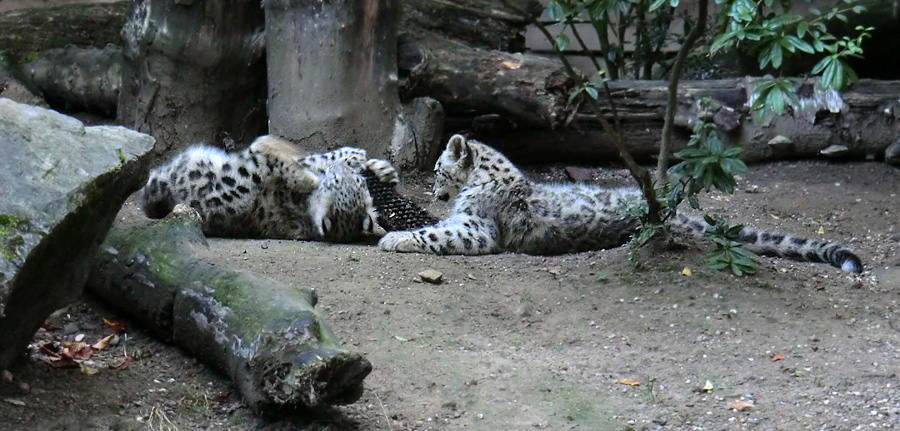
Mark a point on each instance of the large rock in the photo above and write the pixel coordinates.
(61, 185)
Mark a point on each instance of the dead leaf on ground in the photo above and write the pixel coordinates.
(62, 362)
(686, 271)
(630, 382)
(121, 366)
(103, 343)
(740, 405)
(117, 327)
(777, 357)
(15, 402)
(85, 369)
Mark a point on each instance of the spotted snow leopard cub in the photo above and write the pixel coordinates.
(498, 209)
(271, 190)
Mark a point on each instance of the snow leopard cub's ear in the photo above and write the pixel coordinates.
(459, 149)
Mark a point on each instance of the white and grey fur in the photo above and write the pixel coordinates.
(498, 209)
(271, 190)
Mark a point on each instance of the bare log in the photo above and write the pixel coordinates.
(266, 336)
(194, 71)
(529, 90)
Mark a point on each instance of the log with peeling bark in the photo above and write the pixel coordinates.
(266, 336)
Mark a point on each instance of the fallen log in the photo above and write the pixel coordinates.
(267, 337)
(484, 24)
(77, 79)
(863, 126)
(28, 31)
(529, 90)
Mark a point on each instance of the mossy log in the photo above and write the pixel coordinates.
(266, 336)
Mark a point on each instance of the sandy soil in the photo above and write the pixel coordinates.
(515, 342)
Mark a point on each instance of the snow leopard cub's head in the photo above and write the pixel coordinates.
(452, 170)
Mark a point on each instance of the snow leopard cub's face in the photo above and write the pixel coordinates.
(451, 172)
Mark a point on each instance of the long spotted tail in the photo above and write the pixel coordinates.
(786, 246)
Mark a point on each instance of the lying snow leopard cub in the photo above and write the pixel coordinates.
(498, 209)
(270, 190)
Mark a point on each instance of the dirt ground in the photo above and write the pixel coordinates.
(516, 342)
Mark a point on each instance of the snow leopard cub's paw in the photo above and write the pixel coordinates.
(402, 242)
(384, 171)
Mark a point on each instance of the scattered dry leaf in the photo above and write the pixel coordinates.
(15, 402)
(821, 230)
(511, 65)
(777, 357)
(86, 369)
(708, 387)
(774, 216)
(62, 362)
(103, 342)
(117, 327)
(740, 405)
(630, 382)
(686, 271)
(471, 276)
(121, 366)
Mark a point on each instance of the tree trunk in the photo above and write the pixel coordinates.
(264, 335)
(529, 90)
(866, 124)
(333, 73)
(194, 71)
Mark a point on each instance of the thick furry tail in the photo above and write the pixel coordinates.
(786, 246)
(395, 212)
(156, 198)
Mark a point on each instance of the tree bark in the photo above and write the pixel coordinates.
(529, 90)
(194, 71)
(333, 73)
(266, 336)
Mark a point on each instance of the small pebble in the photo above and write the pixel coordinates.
(431, 276)
(79, 338)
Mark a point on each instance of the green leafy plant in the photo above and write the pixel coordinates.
(729, 253)
(768, 29)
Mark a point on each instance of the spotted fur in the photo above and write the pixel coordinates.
(497, 209)
(271, 190)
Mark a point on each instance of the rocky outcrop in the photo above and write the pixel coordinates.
(61, 185)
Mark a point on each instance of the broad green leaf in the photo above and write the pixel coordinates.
(562, 42)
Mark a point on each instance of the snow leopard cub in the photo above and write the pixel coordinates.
(498, 209)
(271, 190)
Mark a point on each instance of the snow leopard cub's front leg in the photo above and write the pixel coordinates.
(459, 234)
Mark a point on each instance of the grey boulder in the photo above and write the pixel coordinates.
(61, 185)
